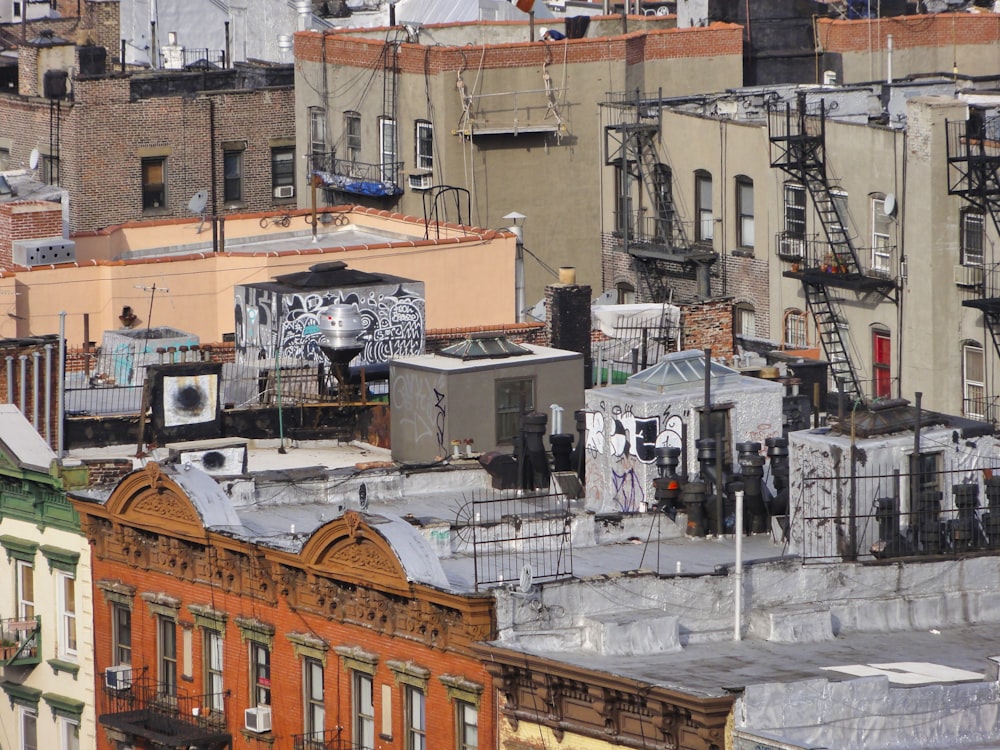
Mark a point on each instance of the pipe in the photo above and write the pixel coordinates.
(738, 578)
(23, 359)
(62, 384)
(10, 379)
(705, 422)
(36, 357)
(557, 411)
(888, 74)
(227, 63)
(48, 394)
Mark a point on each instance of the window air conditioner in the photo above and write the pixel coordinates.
(284, 191)
(257, 719)
(422, 181)
(118, 678)
(968, 275)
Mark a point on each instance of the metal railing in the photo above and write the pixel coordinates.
(151, 708)
(815, 254)
(20, 640)
(329, 739)
(880, 513)
(358, 177)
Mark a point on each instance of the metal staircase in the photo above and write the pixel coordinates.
(797, 138)
(974, 174)
(649, 224)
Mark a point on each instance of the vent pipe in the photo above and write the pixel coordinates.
(888, 64)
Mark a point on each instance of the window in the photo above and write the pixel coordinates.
(317, 137)
(232, 168)
(793, 242)
(312, 674)
(154, 183)
(881, 247)
(25, 590)
(625, 292)
(282, 167)
(260, 674)
(881, 363)
(973, 235)
(50, 169)
(66, 584)
(513, 397)
(416, 721)
(29, 728)
(167, 630)
(364, 712)
(744, 319)
(467, 721)
(624, 216)
(213, 668)
(387, 147)
(69, 734)
(4, 158)
(744, 212)
(795, 335)
(352, 136)
(705, 228)
(841, 220)
(425, 145)
(17, 9)
(121, 624)
(974, 381)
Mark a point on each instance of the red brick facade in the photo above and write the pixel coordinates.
(708, 324)
(23, 220)
(934, 30)
(343, 600)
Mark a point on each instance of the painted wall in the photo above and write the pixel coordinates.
(266, 319)
(434, 405)
(626, 423)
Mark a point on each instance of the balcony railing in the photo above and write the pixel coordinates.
(162, 713)
(20, 641)
(357, 177)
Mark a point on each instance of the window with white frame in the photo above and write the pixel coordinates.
(352, 135)
(313, 698)
(974, 381)
(317, 137)
(214, 683)
(705, 228)
(973, 238)
(425, 145)
(744, 319)
(793, 242)
(364, 711)
(416, 718)
(66, 602)
(121, 633)
(840, 204)
(387, 148)
(25, 590)
(166, 628)
(795, 329)
(881, 239)
(29, 728)
(745, 213)
(467, 722)
(69, 734)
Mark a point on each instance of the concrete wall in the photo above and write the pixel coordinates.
(549, 178)
(435, 406)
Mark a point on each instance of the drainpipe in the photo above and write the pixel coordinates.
(888, 44)
(738, 578)
(62, 384)
(36, 357)
(23, 359)
(48, 394)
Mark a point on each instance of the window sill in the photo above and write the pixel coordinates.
(743, 252)
(61, 665)
(161, 211)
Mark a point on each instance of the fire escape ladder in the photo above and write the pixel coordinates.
(974, 174)
(390, 69)
(829, 323)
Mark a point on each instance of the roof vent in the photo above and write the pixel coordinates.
(44, 251)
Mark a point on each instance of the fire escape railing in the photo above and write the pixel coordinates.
(973, 147)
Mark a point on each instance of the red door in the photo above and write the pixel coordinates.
(881, 366)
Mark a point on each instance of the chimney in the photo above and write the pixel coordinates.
(567, 306)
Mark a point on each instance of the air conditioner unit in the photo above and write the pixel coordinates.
(257, 719)
(791, 248)
(968, 275)
(118, 678)
(284, 191)
(421, 181)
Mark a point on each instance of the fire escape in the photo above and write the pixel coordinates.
(798, 148)
(647, 221)
(974, 174)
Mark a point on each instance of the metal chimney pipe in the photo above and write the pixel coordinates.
(36, 357)
(10, 379)
(48, 394)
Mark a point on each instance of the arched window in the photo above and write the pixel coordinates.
(626, 293)
(795, 327)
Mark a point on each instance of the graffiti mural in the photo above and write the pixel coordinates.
(632, 436)
(288, 321)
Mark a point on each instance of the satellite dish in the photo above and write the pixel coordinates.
(663, 10)
(889, 205)
(198, 202)
(33, 159)
(527, 579)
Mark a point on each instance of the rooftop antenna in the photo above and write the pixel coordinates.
(197, 206)
(152, 294)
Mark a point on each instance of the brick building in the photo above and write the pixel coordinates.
(347, 627)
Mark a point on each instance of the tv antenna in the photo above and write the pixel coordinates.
(197, 206)
(152, 295)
